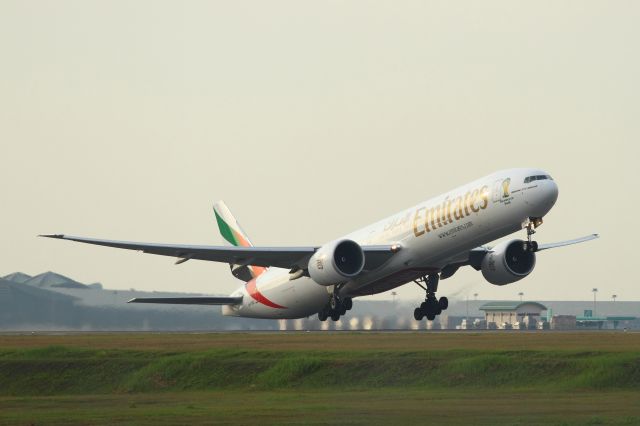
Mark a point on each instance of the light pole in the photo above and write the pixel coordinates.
(467, 310)
(614, 296)
(595, 291)
(475, 296)
(521, 294)
(393, 295)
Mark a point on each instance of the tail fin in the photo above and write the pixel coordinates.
(232, 232)
(229, 227)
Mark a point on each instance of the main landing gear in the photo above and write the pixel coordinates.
(431, 307)
(335, 308)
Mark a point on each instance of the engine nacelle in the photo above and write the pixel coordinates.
(508, 262)
(336, 262)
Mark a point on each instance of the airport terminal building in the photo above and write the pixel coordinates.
(508, 315)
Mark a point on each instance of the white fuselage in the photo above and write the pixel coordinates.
(432, 234)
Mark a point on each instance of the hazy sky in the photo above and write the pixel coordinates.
(127, 119)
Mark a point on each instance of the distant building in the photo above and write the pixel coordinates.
(27, 306)
(508, 315)
(50, 301)
(563, 322)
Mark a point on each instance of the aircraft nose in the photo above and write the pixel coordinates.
(551, 192)
(545, 198)
(542, 198)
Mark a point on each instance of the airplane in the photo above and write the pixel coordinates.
(423, 244)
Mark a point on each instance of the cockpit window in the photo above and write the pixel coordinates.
(530, 179)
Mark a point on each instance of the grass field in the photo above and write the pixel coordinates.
(321, 378)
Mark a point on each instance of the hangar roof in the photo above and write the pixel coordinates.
(509, 306)
(8, 287)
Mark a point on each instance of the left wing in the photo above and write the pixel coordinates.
(279, 257)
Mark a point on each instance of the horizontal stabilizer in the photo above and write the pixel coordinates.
(190, 300)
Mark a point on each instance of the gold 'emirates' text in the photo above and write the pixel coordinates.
(451, 210)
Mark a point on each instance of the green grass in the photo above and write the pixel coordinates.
(291, 379)
(319, 407)
(57, 370)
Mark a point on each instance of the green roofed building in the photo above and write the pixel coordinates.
(508, 314)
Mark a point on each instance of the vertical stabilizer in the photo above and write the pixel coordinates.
(233, 234)
(229, 227)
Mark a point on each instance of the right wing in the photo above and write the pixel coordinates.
(279, 257)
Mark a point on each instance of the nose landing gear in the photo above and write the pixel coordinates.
(531, 226)
(432, 306)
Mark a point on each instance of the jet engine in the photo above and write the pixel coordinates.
(508, 262)
(336, 262)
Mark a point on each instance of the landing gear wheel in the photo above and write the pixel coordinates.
(322, 315)
(443, 303)
(431, 316)
(342, 310)
(433, 307)
(335, 316)
(348, 303)
(417, 314)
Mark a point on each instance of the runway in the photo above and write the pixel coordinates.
(334, 340)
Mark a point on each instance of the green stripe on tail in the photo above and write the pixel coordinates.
(232, 232)
(225, 230)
